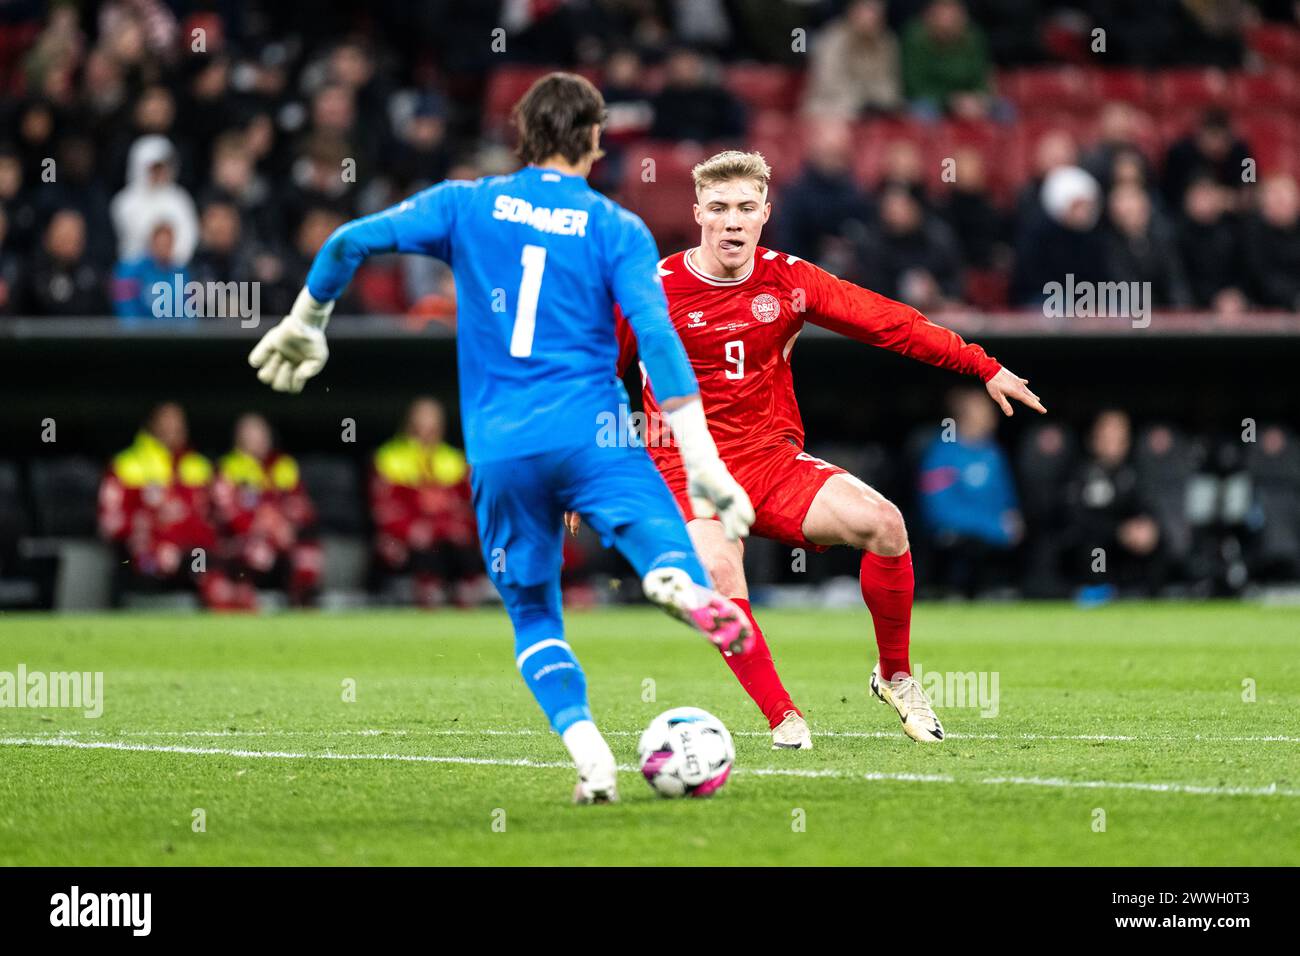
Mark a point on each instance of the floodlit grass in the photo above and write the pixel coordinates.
(1131, 716)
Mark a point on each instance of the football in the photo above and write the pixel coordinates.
(686, 752)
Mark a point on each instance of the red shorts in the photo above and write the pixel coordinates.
(781, 480)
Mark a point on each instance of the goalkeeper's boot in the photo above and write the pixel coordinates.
(716, 617)
(909, 701)
(792, 733)
(597, 770)
(596, 785)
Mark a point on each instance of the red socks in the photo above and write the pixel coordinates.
(757, 674)
(887, 585)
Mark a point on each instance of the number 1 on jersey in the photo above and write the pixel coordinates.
(533, 260)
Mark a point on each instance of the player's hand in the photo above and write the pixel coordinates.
(572, 522)
(713, 491)
(294, 350)
(1007, 384)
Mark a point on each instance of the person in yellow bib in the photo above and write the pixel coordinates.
(266, 518)
(423, 516)
(155, 505)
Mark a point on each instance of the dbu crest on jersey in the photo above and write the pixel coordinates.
(765, 307)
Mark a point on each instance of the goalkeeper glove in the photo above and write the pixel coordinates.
(294, 350)
(709, 485)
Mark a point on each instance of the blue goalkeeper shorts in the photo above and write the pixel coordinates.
(520, 505)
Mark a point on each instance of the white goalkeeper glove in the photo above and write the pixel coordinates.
(294, 350)
(709, 485)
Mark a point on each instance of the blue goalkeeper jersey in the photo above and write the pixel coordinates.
(540, 260)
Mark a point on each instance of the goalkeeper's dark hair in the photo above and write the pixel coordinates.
(555, 117)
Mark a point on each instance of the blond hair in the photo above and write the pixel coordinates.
(732, 164)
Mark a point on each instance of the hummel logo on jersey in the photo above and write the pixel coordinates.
(559, 222)
(697, 320)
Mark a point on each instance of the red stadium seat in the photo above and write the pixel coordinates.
(1273, 140)
(1049, 89)
(507, 85)
(1275, 89)
(1275, 42)
(665, 200)
(777, 135)
(1128, 86)
(761, 86)
(874, 138)
(1191, 88)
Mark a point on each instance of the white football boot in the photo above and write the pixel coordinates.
(792, 733)
(597, 770)
(716, 617)
(913, 707)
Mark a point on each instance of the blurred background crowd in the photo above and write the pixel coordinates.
(944, 152)
(955, 155)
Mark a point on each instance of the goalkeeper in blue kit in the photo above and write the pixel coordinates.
(540, 261)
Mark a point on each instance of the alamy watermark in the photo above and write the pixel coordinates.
(78, 690)
(961, 689)
(1085, 299)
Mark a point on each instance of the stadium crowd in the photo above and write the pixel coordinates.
(949, 154)
(944, 153)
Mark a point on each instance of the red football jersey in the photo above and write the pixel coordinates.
(739, 333)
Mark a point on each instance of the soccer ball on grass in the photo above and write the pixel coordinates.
(686, 752)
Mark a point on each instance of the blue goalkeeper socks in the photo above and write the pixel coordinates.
(544, 659)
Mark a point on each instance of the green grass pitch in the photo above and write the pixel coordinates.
(1123, 735)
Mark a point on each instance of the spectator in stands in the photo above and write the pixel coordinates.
(264, 515)
(1054, 150)
(60, 279)
(221, 256)
(1140, 249)
(1273, 463)
(206, 112)
(419, 157)
(912, 255)
(629, 115)
(977, 223)
(155, 505)
(78, 186)
(235, 180)
(1110, 511)
(1117, 136)
(420, 503)
(968, 498)
(946, 66)
(1211, 149)
(152, 195)
(1044, 465)
(11, 270)
(19, 200)
(901, 166)
(824, 214)
(1065, 241)
(854, 65)
(1209, 243)
(693, 105)
(1272, 245)
(146, 287)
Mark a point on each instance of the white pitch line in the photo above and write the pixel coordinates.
(529, 732)
(1271, 790)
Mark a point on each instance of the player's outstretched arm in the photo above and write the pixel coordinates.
(1005, 385)
(295, 350)
(869, 317)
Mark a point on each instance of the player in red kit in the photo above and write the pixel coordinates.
(738, 309)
